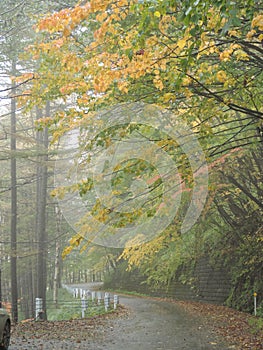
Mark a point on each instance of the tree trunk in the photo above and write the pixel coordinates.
(42, 142)
(57, 258)
(14, 293)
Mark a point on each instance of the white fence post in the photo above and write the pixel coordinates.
(115, 301)
(83, 307)
(39, 306)
(99, 295)
(107, 301)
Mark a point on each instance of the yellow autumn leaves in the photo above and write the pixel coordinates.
(99, 53)
(105, 62)
(258, 22)
(74, 242)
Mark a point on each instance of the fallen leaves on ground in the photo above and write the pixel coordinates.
(76, 330)
(233, 325)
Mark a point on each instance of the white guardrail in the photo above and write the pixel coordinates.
(87, 299)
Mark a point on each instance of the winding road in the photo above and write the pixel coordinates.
(159, 325)
(150, 324)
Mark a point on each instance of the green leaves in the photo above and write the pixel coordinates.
(200, 59)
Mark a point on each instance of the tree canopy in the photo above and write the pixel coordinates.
(199, 61)
(202, 60)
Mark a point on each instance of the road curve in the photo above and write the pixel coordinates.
(159, 325)
(150, 324)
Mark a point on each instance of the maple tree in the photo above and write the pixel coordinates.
(170, 53)
(200, 60)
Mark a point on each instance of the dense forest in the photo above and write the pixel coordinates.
(131, 138)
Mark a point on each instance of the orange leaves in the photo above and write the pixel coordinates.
(100, 33)
(79, 13)
(110, 58)
(25, 77)
(65, 20)
(123, 86)
(59, 43)
(73, 87)
(71, 62)
(53, 24)
(104, 48)
(101, 16)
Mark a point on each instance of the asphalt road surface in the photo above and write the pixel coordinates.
(159, 325)
(150, 324)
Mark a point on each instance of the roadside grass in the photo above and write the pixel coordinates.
(126, 292)
(69, 308)
(256, 324)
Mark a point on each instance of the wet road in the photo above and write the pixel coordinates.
(149, 325)
(159, 325)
